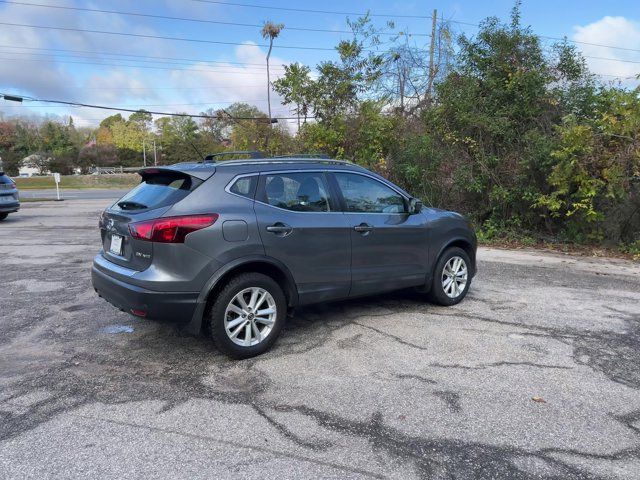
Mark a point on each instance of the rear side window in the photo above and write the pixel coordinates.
(245, 186)
(158, 190)
(299, 192)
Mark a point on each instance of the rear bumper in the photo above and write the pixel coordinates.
(177, 307)
(9, 207)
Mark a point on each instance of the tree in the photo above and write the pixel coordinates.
(109, 121)
(296, 87)
(142, 119)
(96, 156)
(495, 111)
(177, 137)
(216, 125)
(594, 195)
(271, 31)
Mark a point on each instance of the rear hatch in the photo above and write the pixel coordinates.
(158, 191)
(8, 192)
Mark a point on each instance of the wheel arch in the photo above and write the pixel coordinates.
(460, 242)
(261, 264)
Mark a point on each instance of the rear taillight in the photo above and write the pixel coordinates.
(170, 229)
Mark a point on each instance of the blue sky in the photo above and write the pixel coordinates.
(172, 75)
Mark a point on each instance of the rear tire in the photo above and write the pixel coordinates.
(247, 315)
(451, 277)
(3, 216)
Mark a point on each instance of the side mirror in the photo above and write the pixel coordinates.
(415, 205)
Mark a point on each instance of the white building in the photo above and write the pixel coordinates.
(28, 166)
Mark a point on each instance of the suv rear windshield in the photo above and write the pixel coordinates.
(4, 179)
(158, 190)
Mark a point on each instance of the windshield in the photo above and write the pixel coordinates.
(157, 190)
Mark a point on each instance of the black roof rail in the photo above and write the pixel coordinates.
(253, 154)
(323, 156)
(286, 160)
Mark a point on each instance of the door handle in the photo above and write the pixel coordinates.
(280, 228)
(363, 228)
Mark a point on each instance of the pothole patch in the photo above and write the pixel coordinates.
(117, 329)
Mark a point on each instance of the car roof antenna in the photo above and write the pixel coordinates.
(193, 145)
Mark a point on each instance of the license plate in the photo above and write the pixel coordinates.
(116, 244)
(6, 198)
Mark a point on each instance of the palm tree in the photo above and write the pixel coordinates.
(270, 30)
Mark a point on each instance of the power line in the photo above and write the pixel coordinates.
(221, 68)
(458, 22)
(161, 60)
(611, 59)
(136, 105)
(119, 109)
(180, 61)
(224, 62)
(423, 17)
(209, 87)
(220, 72)
(307, 10)
(160, 37)
(187, 19)
(243, 71)
(589, 43)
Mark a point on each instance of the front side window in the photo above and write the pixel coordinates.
(366, 195)
(299, 192)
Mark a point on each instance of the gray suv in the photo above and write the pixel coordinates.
(9, 199)
(229, 247)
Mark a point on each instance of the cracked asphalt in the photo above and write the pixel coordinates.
(382, 387)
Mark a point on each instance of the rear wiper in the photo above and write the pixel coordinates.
(128, 205)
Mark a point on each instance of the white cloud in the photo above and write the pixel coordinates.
(233, 83)
(613, 31)
(186, 87)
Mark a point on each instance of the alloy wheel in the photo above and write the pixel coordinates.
(454, 277)
(250, 316)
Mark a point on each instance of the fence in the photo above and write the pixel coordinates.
(114, 170)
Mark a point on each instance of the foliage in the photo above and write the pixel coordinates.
(596, 162)
(522, 139)
(296, 87)
(96, 155)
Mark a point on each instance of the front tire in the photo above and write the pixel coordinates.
(451, 277)
(247, 315)
(3, 216)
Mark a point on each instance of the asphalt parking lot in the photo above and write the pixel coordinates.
(535, 375)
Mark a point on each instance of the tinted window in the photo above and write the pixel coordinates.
(244, 186)
(157, 190)
(300, 192)
(364, 194)
(5, 179)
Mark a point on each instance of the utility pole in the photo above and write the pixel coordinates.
(432, 51)
(155, 153)
(144, 153)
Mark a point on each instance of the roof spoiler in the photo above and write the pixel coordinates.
(183, 169)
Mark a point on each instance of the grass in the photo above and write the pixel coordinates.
(32, 200)
(125, 180)
(559, 247)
